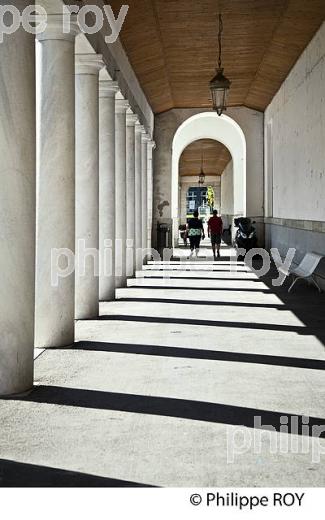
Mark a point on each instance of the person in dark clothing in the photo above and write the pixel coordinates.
(183, 230)
(215, 229)
(195, 233)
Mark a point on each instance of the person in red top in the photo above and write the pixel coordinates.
(215, 229)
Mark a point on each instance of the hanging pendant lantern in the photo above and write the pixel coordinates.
(220, 85)
(202, 174)
(202, 178)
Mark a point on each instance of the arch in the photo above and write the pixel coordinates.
(208, 125)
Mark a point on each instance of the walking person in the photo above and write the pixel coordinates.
(215, 229)
(195, 233)
(183, 230)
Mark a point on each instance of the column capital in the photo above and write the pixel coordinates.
(121, 106)
(88, 64)
(152, 144)
(131, 119)
(145, 137)
(58, 27)
(139, 128)
(108, 88)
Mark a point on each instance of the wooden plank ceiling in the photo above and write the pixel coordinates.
(214, 154)
(172, 46)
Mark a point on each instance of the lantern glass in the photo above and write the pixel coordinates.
(219, 97)
(219, 87)
(201, 178)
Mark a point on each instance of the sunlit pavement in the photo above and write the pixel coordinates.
(155, 391)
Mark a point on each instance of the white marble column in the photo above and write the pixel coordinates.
(55, 186)
(131, 120)
(87, 185)
(144, 167)
(107, 92)
(121, 107)
(17, 208)
(151, 147)
(138, 195)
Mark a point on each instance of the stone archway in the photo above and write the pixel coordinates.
(208, 125)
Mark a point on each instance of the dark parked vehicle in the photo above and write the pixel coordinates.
(246, 237)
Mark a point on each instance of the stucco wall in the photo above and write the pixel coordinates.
(227, 192)
(296, 147)
(166, 124)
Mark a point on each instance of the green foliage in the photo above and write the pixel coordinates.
(210, 197)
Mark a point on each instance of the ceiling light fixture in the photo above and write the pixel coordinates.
(220, 85)
(202, 174)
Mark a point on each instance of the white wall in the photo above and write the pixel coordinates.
(227, 190)
(296, 149)
(208, 125)
(252, 124)
(166, 125)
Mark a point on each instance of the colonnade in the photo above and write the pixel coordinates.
(75, 170)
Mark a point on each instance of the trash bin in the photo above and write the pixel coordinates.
(163, 231)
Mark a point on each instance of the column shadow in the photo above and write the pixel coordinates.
(202, 278)
(216, 289)
(213, 323)
(216, 303)
(191, 353)
(19, 474)
(180, 408)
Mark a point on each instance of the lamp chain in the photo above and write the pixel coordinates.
(220, 39)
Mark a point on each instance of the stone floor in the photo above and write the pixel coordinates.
(166, 387)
